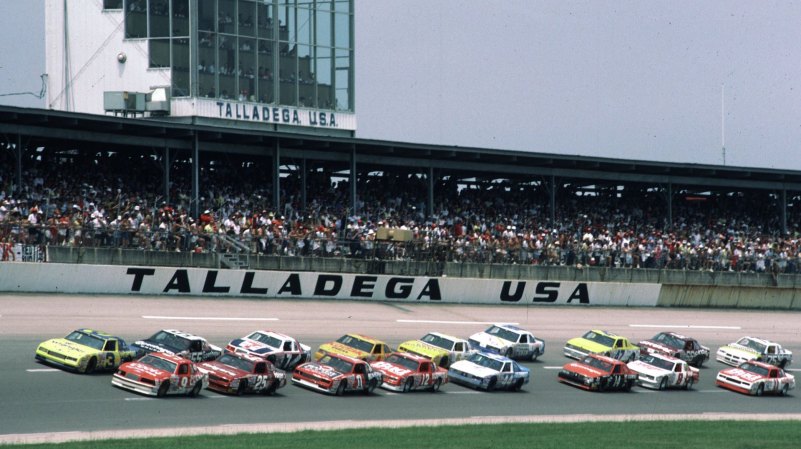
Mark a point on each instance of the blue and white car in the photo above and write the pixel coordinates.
(510, 341)
(489, 372)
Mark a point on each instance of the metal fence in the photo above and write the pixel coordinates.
(24, 242)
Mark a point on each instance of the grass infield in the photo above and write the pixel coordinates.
(651, 435)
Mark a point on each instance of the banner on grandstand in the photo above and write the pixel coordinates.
(94, 279)
(252, 112)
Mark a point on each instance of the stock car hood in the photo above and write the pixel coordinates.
(471, 368)
(588, 345)
(339, 348)
(740, 350)
(658, 346)
(486, 339)
(644, 368)
(319, 370)
(254, 346)
(391, 369)
(743, 375)
(67, 348)
(585, 370)
(147, 371)
(222, 370)
(422, 348)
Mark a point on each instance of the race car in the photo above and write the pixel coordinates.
(601, 342)
(282, 350)
(440, 348)
(750, 348)
(182, 344)
(756, 378)
(337, 374)
(508, 340)
(676, 345)
(405, 372)
(489, 372)
(241, 373)
(598, 373)
(158, 374)
(356, 346)
(85, 351)
(661, 371)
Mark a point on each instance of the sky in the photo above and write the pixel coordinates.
(643, 80)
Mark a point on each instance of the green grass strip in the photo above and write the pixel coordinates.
(617, 435)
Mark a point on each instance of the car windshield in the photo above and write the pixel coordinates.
(482, 360)
(343, 366)
(170, 341)
(356, 343)
(755, 345)
(438, 341)
(504, 334)
(405, 362)
(268, 340)
(597, 363)
(657, 362)
(236, 362)
(600, 339)
(85, 339)
(158, 362)
(669, 340)
(756, 369)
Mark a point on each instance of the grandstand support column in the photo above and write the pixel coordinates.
(784, 211)
(353, 179)
(18, 152)
(277, 176)
(430, 191)
(670, 205)
(195, 176)
(167, 164)
(553, 200)
(303, 184)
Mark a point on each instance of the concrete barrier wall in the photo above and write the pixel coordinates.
(22, 277)
(729, 297)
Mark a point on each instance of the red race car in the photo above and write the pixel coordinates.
(158, 374)
(756, 378)
(599, 373)
(336, 374)
(405, 372)
(241, 373)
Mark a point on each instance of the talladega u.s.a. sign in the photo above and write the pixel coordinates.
(250, 112)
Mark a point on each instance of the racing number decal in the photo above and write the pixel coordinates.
(359, 382)
(259, 383)
(109, 360)
(426, 379)
(184, 381)
(679, 378)
(617, 381)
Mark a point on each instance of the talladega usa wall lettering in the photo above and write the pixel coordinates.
(350, 286)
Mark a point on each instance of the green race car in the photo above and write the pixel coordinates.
(601, 342)
(85, 351)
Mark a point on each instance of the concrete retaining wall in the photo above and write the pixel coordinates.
(729, 297)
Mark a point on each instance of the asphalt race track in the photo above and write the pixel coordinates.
(35, 398)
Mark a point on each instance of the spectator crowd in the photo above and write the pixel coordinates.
(79, 204)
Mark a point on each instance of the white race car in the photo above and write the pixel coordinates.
(509, 341)
(282, 350)
(750, 348)
(489, 372)
(662, 371)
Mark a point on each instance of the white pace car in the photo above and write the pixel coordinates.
(662, 371)
(509, 341)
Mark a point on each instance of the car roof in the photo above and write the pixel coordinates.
(365, 338)
(409, 355)
(669, 358)
(170, 357)
(98, 334)
(607, 333)
(273, 333)
(449, 337)
(183, 334)
(606, 359)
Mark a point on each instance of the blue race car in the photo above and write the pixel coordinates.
(489, 372)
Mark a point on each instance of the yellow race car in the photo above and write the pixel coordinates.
(603, 343)
(356, 346)
(85, 351)
(442, 349)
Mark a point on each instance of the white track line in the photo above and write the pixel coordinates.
(449, 322)
(793, 370)
(43, 370)
(685, 326)
(551, 367)
(204, 318)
